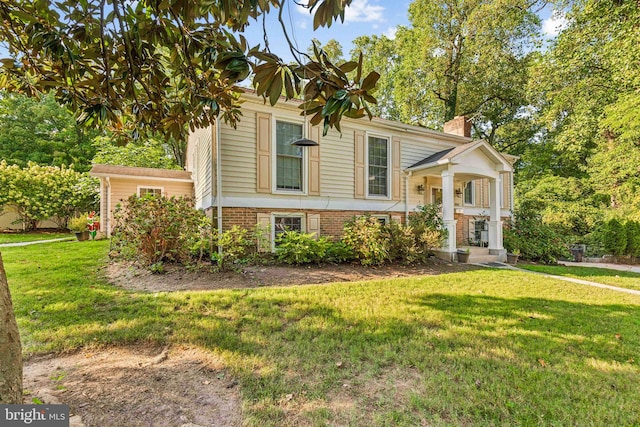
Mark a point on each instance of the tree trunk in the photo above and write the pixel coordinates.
(10, 348)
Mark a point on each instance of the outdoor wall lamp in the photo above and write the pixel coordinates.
(420, 189)
(458, 192)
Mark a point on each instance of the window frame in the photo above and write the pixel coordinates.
(148, 187)
(472, 183)
(431, 188)
(368, 194)
(274, 215)
(274, 161)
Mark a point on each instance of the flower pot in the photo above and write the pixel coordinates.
(512, 258)
(82, 236)
(463, 256)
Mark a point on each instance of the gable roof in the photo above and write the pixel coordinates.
(451, 155)
(134, 172)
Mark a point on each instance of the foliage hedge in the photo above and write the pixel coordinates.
(39, 193)
(153, 230)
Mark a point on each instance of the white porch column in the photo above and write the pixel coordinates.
(448, 210)
(495, 222)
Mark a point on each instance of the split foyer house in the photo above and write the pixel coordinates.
(253, 175)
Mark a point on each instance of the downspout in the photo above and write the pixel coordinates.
(108, 194)
(406, 196)
(219, 188)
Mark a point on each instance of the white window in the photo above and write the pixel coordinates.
(150, 191)
(469, 193)
(283, 222)
(436, 195)
(378, 161)
(289, 158)
(382, 219)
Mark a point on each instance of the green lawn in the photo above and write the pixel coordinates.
(484, 347)
(623, 279)
(31, 236)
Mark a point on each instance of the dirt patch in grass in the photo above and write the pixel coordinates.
(137, 387)
(176, 278)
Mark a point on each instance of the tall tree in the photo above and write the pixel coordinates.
(333, 49)
(165, 66)
(42, 131)
(458, 58)
(590, 97)
(10, 348)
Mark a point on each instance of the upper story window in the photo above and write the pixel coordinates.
(469, 193)
(378, 156)
(289, 158)
(150, 191)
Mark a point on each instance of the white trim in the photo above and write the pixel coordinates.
(141, 177)
(309, 203)
(148, 187)
(389, 165)
(285, 118)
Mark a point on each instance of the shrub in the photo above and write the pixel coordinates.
(428, 228)
(537, 241)
(364, 237)
(46, 192)
(301, 248)
(78, 224)
(402, 243)
(615, 238)
(238, 247)
(155, 229)
(339, 252)
(633, 238)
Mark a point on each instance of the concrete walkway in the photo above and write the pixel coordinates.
(620, 267)
(35, 242)
(572, 279)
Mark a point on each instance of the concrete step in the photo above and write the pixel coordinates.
(473, 258)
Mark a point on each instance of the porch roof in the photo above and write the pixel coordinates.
(456, 156)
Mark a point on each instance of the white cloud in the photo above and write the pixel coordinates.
(363, 11)
(552, 26)
(391, 32)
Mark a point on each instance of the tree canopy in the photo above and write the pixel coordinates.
(43, 132)
(172, 64)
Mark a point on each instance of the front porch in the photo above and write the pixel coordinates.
(473, 183)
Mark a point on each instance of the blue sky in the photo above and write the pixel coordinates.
(363, 17)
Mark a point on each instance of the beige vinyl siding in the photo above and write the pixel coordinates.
(238, 152)
(337, 164)
(202, 163)
(122, 188)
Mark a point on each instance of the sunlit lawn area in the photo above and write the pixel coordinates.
(623, 279)
(31, 237)
(483, 347)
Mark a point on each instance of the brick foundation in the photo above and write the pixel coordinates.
(331, 222)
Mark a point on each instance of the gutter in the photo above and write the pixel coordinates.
(406, 196)
(219, 187)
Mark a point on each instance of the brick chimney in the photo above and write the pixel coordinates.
(459, 125)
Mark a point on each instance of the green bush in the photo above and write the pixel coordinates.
(428, 228)
(615, 238)
(633, 238)
(339, 252)
(402, 245)
(537, 241)
(46, 192)
(365, 238)
(295, 248)
(156, 229)
(238, 247)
